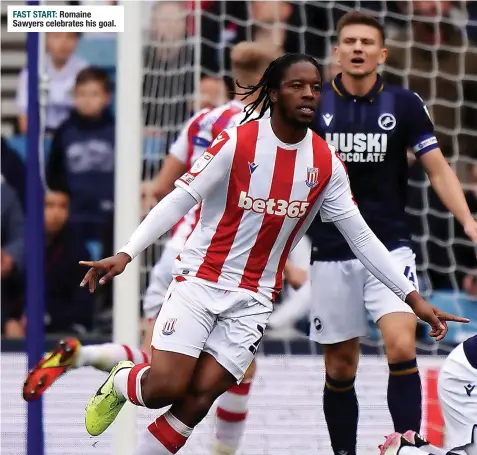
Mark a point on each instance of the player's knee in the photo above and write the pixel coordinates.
(250, 373)
(401, 349)
(200, 400)
(399, 336)
(158, 389)
(341, 360)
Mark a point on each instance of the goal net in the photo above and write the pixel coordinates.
(184, 41)
(426, 54)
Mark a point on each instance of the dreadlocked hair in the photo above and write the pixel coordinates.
(270, 80)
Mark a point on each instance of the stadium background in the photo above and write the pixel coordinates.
(432, 51)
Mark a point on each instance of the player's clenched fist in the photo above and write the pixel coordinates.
(432, 315)
(106, 268)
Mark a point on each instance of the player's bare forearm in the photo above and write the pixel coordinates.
(171, 170)
(447, 186)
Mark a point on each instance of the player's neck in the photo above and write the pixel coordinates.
(289, 134)
(358, 87)
(239, 99)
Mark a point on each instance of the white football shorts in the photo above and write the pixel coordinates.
(342, 291)
(160, 279)
(197, 317)
(457, 390)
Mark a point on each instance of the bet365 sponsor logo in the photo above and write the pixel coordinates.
(280, 207)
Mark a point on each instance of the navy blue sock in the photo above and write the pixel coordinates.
(405, 396)
(340, 406)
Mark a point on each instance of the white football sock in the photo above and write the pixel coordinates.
(166, 435)
(105, 356)
(127, 382)
(230, 419)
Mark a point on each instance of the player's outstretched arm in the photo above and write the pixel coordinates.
(423, 142)
(339, 207)
(377, 259)
(194, 186)
(448, 188)
(159, 221)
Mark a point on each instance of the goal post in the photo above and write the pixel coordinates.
(34, 241)
(127, 199)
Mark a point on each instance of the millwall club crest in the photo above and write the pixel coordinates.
(311, 177)
(169, 326)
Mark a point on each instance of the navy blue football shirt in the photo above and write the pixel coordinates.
(372, 134)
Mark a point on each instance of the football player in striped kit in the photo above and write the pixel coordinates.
(260, 185)
(249, 60)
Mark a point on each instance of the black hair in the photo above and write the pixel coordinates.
(95, 74)
(271, 80)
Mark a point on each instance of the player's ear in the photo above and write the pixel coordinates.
(336, 54)
(273, 96)
(383, 56)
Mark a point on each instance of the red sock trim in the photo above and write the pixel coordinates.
(132, 380)
(166, 435)
(129, 353)
(241, 389)
(231, 416)
(145, 356)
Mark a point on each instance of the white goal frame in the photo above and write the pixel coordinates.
(127, 199)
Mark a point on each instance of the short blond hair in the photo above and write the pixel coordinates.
(250, 60)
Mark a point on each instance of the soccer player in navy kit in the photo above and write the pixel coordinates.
(372, 124)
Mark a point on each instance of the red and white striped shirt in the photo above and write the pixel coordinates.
(193, 140)
(259, 196)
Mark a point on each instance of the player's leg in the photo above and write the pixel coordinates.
(228, 354)
(168, 433)
(69, 354)
(104, 356)
(244, 340)
(397, 323)
(180, 331)
(231, 415)
(232, 405)
(337, 321)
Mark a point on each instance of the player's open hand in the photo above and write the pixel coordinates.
(106, 268)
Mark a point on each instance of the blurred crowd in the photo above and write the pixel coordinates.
(431, 50)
